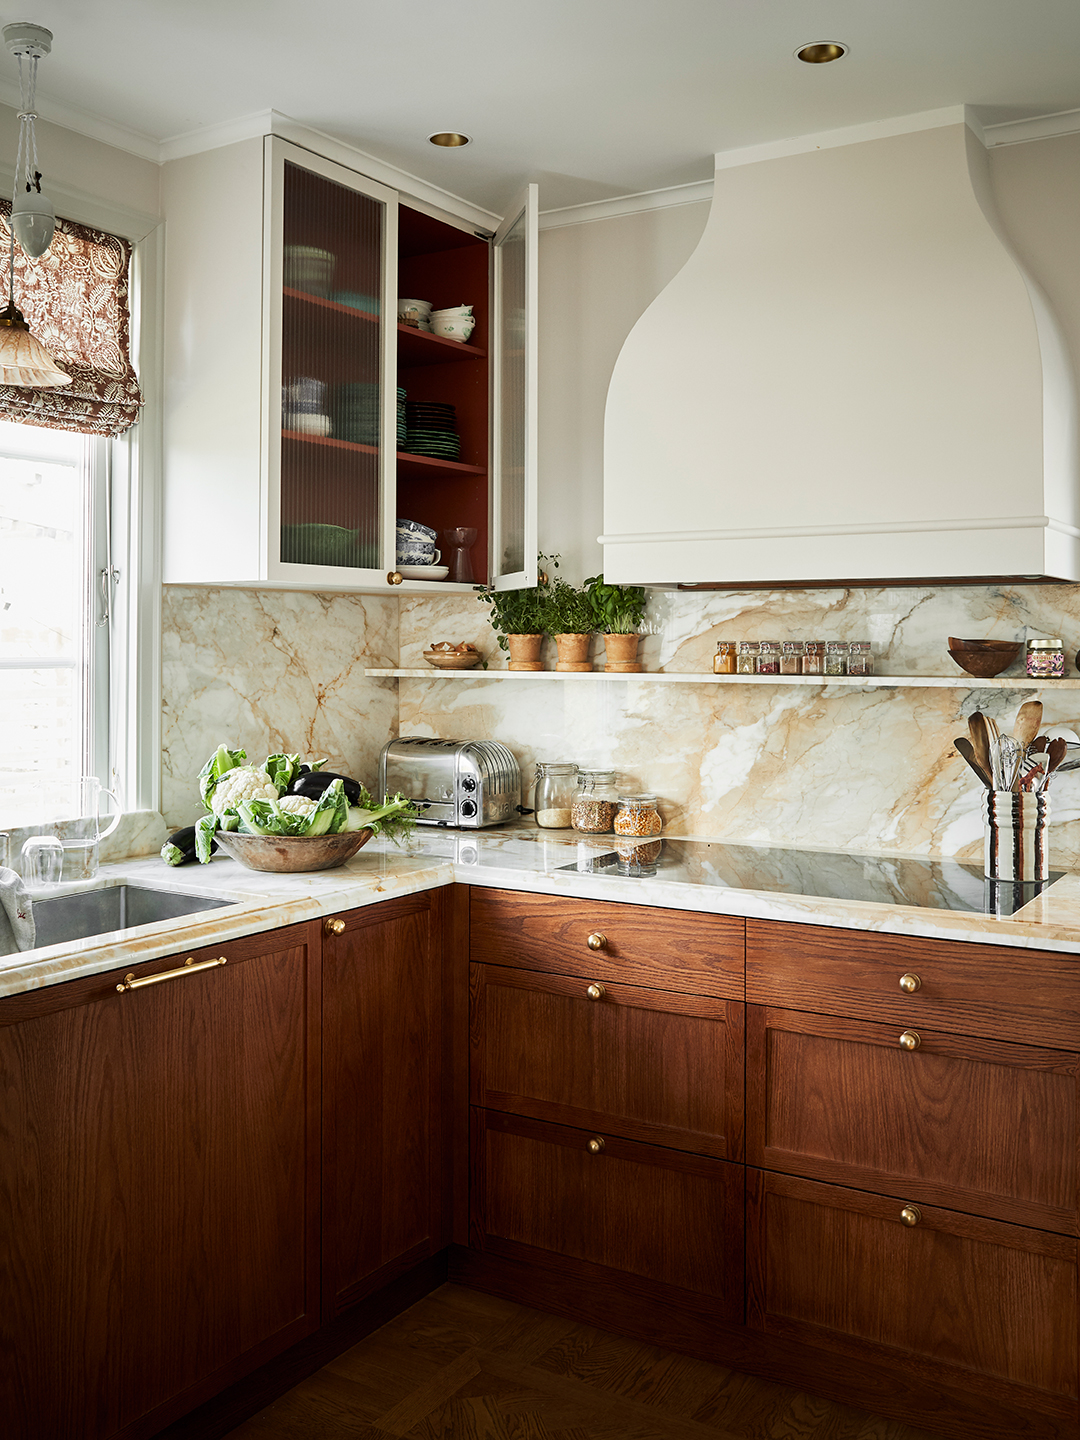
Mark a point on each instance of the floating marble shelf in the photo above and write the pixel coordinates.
(854, 682)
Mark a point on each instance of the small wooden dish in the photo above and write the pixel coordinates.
(447, 660)
(291, 854)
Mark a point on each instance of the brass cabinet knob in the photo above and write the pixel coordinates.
(336, 926)
(596, 991)
(910, 983)
(596, 1145)
(910, 1040)
(911, 1214)
(596, 941)
(394, 578)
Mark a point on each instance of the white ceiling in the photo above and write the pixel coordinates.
(592, 98)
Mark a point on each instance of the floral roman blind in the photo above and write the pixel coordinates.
(75, 300)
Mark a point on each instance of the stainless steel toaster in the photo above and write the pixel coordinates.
(466, 784)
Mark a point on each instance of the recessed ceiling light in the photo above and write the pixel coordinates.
(820, 52)
(449, 138)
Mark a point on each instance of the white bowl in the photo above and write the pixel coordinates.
(455, 310)
(424, 572)
(459, 328)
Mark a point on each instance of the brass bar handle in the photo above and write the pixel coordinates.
(336, 926)
(910, 983)
(188, 968)
(596, 1145)
(596, 991)
(911, 1215)
(910, 1040)
(596, 941)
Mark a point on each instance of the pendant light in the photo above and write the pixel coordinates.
(23, 359)
(32, 215)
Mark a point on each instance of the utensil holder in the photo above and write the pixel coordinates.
(1016, 828)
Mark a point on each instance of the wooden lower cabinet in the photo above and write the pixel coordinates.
(658, 1222)
(953, 1298)
(383, 1137)
(159, 1213)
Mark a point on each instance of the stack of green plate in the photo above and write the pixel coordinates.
(432, 430)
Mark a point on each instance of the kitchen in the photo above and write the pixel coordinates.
(849, 769)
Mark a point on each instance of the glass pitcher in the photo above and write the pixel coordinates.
(78, 824)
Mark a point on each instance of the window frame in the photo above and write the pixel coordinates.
(127, 479)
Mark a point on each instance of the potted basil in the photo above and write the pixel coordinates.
(619, 611)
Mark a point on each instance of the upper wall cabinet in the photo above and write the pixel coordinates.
(302, 421)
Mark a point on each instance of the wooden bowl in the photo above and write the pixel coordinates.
(954, 644)
(984, 664)
(290, 854)
(447, 660)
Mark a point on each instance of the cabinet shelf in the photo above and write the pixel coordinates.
(419, 347)
(408, 465)
(331, 305)
(850, 682)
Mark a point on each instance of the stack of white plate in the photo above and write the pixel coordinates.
(309, 269)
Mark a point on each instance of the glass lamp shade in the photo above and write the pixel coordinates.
(33, 220)
(24, 360)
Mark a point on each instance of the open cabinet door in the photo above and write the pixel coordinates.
(514, 336)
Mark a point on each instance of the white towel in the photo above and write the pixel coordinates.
(17, 928)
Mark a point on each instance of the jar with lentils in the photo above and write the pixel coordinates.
(594, 805)
(637, 815)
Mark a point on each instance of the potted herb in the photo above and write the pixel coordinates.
(516, 619)
(568, 614)
(619, 611)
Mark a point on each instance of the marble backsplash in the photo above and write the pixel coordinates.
(836, 767)
(272, 670)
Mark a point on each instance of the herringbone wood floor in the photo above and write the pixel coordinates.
(464, 1365)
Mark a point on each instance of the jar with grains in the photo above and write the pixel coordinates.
(637, 815)
(595, 803)
(860, 658)
(768, 658)
(836, 657)
(813, 660)
(1045, 659)
(724, 659)
(748, 650)
(791, 657)
(638, 859)
(554, 795)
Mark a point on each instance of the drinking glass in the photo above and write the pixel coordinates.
(43, 860)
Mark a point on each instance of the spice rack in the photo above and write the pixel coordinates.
(663, 677)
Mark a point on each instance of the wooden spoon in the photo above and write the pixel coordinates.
(1056, 752)
(1028, 720)
(967, 750)
(980, 741)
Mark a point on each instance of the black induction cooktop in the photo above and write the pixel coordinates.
(830, 875)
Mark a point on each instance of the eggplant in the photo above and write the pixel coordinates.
(179, 849)
(312, 785)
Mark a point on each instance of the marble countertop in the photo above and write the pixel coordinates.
(519, 857)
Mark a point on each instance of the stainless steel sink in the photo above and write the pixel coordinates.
(64, 918)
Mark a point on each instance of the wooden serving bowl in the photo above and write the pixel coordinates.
(448, 660)
(290, 854)
(1013, 645)
(985, 663)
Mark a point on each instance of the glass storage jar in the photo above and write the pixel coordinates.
(860, 658)
(554, 795)
(595, 803)
(791, 657)
(768, 659)
(813, 660)
(747, 659)
(637, 815)
(836, 657)
(724, 659)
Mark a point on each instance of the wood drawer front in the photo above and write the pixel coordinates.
(650, 1066)
(670, 949)
(1027, 995)
(668, 1219)
(973, 1124)
(954, 1298)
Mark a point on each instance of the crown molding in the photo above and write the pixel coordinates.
(690, 194)
(850, 135)
(85, 122)
(1040, 127)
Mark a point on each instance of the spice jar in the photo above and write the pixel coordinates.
(836, 655)
(860, 658)
(595, 803)
(768, 658)
(1045, 658)
(813, 660)
(724, 659)
(791, 657)
(554, 795)
(637, 815)
(747, 659)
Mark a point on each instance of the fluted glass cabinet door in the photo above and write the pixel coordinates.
(515, 390)
(330, 268)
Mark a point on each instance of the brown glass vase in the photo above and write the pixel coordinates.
(525, 652)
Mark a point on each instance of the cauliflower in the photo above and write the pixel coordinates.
(243, 782)
(297, 805)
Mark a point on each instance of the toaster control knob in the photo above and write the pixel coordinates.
(468, 809)
(468, 782)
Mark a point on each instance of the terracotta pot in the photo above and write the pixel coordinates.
(525, 652)
(620, 653)
(573, 652)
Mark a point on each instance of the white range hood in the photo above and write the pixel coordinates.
(852, 379)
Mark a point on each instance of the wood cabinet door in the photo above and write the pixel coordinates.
(956, 1299)
(382, 1097)
(158, 1185)
(973, 1124)
(603, 1208)
(646, 1064)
